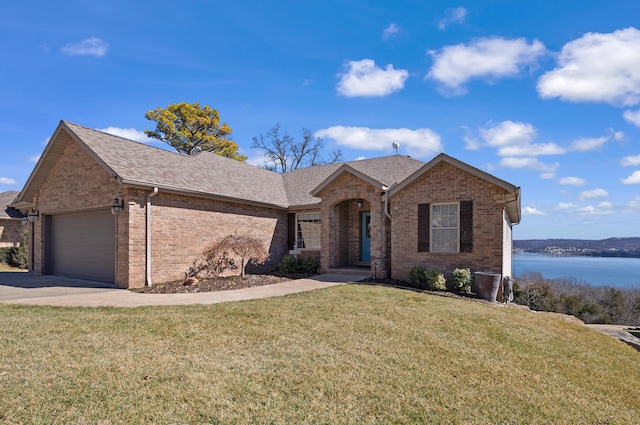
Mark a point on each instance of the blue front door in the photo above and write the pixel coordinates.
(365, 236)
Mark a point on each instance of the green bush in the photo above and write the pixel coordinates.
(461, 280)
(19, 256)
(436, 280)
(309, 264)
(288, 264)
(431, 280)
(5, 255)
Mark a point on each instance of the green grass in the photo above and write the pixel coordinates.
(344, 355)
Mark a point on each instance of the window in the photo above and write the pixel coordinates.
(308, 230)
(445, 234)
(445, 227)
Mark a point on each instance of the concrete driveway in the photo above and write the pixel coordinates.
(26, 288)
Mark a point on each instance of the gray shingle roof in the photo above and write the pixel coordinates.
(387, 170)
(7, 198)
(205, 173)
(208, 174)
(211, 174)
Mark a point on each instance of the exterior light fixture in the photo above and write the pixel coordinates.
(117, 206)
(360, 203)
(32, 216)
(25, 220)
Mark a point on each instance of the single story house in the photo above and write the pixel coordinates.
(383, 215)
(11, 227)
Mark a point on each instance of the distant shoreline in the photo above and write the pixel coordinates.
(605, 248)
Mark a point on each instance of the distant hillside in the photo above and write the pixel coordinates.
(612, 247)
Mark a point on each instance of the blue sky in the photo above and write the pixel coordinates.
(544, 94)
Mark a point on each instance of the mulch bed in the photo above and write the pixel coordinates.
(218, 283)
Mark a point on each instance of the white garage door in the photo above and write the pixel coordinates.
(84, 245)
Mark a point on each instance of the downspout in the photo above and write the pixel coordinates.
(386, 200)
(148, 235)
(383, 238)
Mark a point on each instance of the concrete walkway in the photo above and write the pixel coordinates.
(26, 288)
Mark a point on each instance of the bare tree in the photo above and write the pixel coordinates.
(283, 153)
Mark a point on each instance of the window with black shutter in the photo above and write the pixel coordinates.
(445, 227)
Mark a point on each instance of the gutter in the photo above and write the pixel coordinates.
(148, 236)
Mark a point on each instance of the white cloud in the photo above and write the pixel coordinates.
(454, 15)
(128, 133)
(421, 142)
(548, 171)
(589, 143)
(364, 78)
(572, 181)
(630, 161)
(487, 58)
(391, 31)
(532, 211)
(514, 139)
(255, 158)
(35, 158)
(634, 178)
(7, 180)
(634, 204)
(566, 205)
(90, 47)
(595, 193)
(597, 68)
(603, 208)
(632, 116)
(471, 143)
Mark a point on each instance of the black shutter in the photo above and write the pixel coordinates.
(466, 226)
(423, 227)
(291, 233)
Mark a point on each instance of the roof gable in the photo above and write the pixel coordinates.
(513, 205)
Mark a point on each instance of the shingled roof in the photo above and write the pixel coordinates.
(211, 175)
(7, 212)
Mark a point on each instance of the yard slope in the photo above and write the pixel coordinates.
(350, 355)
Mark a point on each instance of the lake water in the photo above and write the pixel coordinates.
(598, 271)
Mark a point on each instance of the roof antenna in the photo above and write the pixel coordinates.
(395, 145)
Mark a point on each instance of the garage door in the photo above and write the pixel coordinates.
(84, 245)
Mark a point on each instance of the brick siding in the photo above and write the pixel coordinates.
(446, 183)
(182, 227)
(76, 183)
(10, 233)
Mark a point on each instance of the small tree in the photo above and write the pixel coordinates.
(190, 129)
(249, 249)
(282, 152)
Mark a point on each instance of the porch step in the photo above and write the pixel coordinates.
(352, 271)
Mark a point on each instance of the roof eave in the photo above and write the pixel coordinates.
(181, 191)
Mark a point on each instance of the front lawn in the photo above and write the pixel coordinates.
(345, 355)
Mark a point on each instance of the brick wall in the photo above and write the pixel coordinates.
(340, 217)
(183, 227)
(10, 233)
(76, 183)
(446, 183)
